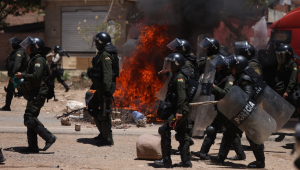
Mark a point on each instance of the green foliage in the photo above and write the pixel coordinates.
(111, 27)
(256, 3)
(17, 8)
(66, 75)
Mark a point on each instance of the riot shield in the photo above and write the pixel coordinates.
(205, 114)
(276, 106)
(162, 92)
(249, 117)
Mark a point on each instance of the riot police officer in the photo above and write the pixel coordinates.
(248, 51)
(15, 62)
(56, 67)
(223, 83)
(104, 72)
(244, 78)
(179, 113)
(35, 90)
(212, 49)
(287, 74)
(184, 48)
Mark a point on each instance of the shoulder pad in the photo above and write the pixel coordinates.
(110, 48)
(191, 57)
(187, 71)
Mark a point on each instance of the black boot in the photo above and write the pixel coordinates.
(258, 151)
(98, 125)
(5, 108)
(240, 154)
(105, 142)
(2, 159)
(185, 155)
(32, 142)
(165, 148)
(65, 86)
(46, 135)
(166, 162)
(208, 141)
(223, 152)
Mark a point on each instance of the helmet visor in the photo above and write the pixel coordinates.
(281, 57)
(167, 64)
(206, 43)
(218, 61)
(241, 45)
(175, 43)
(28, 41)
(12, 40)
(231, 60)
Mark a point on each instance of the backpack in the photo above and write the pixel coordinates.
(48, 81)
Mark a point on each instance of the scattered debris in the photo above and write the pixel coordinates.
(65, 121)
(142, 122)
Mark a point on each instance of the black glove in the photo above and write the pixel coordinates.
(107, 94)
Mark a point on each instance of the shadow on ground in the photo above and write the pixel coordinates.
(18, 149)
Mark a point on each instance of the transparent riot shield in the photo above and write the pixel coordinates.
(276, 106)
(247, 115)
(162, 92)
(204, 115)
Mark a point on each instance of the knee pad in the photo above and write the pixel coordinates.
(210, 130)
(179, 137)
(30, 122)
(161, 131)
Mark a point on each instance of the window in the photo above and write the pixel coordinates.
(282, 35)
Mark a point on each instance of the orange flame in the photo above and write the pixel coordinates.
(138, 81)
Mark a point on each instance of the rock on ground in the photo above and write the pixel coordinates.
(148, 147)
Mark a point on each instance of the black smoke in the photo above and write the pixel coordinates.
(204, 13)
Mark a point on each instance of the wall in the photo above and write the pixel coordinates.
(53, 18)
(6, 48)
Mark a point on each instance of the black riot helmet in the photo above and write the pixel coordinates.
(273, 45)
(239, 64)
(283, 53)
(211, 46)
(245, 49)
(15, 42)
(180, 46)
(57, 48)
(173, 62)
(36, 44)
(101, 39)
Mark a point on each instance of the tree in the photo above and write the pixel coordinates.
(17, 8)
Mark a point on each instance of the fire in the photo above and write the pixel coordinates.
(139, 81)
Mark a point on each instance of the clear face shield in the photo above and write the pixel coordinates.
(175, 43)
(241, 48)
(27, 42)
(167, 64)
(218, 61)
(281, 57)
(206, 43)
(96, 39)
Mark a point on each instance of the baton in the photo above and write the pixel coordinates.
(104, 107)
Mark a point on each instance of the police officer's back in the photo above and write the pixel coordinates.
(15, 62)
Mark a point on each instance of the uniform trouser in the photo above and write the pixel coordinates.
(56, 74)
(31, 121)
(233, 135)
(181, 136)
(209, 140)
(9, 94)
(103, 123)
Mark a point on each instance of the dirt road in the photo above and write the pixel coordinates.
(77, 150)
